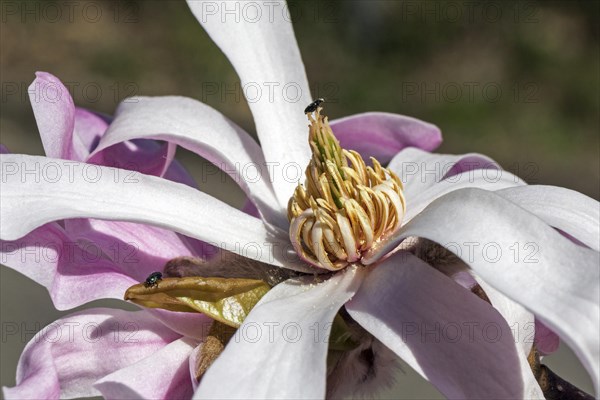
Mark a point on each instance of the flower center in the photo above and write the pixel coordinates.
(345, 207)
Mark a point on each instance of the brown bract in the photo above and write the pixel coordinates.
(228, 300)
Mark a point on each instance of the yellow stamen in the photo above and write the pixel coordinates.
(345, 207)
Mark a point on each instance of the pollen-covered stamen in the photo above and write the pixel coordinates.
(345, 206)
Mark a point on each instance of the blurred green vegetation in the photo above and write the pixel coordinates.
(515, 80)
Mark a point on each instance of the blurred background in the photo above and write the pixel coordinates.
(517, 81)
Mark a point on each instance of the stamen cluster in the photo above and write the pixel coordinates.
(345, 206)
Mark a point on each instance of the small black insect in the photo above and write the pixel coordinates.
(153, 279)
(312, 107)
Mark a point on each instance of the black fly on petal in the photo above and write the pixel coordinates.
(153, 279)
(312, 107)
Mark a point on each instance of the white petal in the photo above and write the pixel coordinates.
(419, 170)
(162, 375)
(427, 176)
(520, 321)
(524, 258)
(567, 210)
(193, 364)
(259, 41)
(280, 350)
(488, 179)
(452, 338)
(203, 130)
(65, 358)
(37, 190)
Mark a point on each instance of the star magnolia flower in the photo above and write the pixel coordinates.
(354, 230)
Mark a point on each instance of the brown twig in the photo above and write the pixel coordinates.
(215, 342)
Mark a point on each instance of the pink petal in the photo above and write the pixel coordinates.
(137, 248)
(546, 340)
(164, 374)
(455, 340)
(192, 325)
(54, 113)
(77, 273)
(250, 209)
(280, 350)
(177, 173)
(71, 133)
(383, 135)
(89, 128)
(72, 274)
(67, 357)
(145, 156)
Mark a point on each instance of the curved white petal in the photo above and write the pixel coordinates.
(519, 319)
(452, 338)
(419, 170)
(163, 375)
(259, 41)
(193, 364)
(280, 350)
(427, 176)
(487, 179)
(565, 209)
(521, 256)
(203, 130)
(37, 190)
(65, 358)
